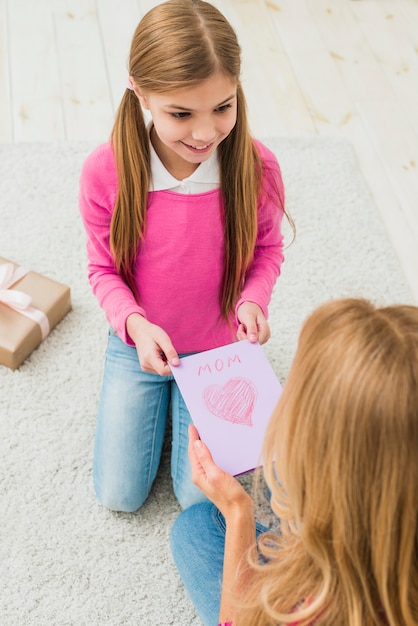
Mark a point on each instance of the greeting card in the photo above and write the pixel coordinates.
(230, 392)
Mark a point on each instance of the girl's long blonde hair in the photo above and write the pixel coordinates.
(177, 45)
(344, 437)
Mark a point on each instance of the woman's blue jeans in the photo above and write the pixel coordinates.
(131, 424)
(197, 543)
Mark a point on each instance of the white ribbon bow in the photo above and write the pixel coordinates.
(18, 300)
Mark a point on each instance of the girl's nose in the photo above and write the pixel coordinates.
(204, 132)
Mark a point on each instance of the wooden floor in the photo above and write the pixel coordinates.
(347, 68)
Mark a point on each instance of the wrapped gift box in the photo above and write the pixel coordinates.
(19, 334)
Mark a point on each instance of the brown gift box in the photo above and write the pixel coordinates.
(19, 335)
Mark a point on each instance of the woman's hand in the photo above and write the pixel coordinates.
(155, 351)
(253, 325)
(221, 488)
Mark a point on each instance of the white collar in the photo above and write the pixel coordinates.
(205, 176)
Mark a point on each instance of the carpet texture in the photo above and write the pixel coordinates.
(64, 560)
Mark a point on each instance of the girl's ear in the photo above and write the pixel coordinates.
(139, 94)
(143, 99)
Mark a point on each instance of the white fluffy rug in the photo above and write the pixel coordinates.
(64, 560)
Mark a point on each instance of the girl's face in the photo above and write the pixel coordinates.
(190, 123)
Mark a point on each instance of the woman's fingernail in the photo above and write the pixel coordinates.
(198, 446)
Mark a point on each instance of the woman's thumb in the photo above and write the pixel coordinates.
(203, 454)
(198, 446)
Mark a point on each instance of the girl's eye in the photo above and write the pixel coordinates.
(180, 115)
(223, 108)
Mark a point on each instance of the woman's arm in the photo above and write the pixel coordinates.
(239, 539)
(237, 508)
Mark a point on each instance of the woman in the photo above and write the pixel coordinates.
(344, 437)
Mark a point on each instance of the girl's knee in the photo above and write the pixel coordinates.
(119, 502)
(120, 491)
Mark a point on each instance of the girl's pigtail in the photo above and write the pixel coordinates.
(241, 175)
(132, 156)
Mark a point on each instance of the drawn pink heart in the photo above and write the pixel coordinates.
(234, 402)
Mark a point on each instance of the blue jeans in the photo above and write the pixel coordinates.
(131, 424)
(197, 543)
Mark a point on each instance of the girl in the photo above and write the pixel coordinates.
(183, 219)
(344, 437)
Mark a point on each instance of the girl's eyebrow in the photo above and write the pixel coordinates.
(178, 107)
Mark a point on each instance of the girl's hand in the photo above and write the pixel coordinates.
(221, 488)
(253, 325)
(155, 351)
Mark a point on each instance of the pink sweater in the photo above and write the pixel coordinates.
(179, 265)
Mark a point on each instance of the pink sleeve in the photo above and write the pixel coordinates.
(98, 188)
(268, 256)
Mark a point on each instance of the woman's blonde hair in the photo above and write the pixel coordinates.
(179, 44)
(344, 437)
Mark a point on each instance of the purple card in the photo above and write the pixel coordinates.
(230, 392)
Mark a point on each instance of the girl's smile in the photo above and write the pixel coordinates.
(199, 149)
(189, 124)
